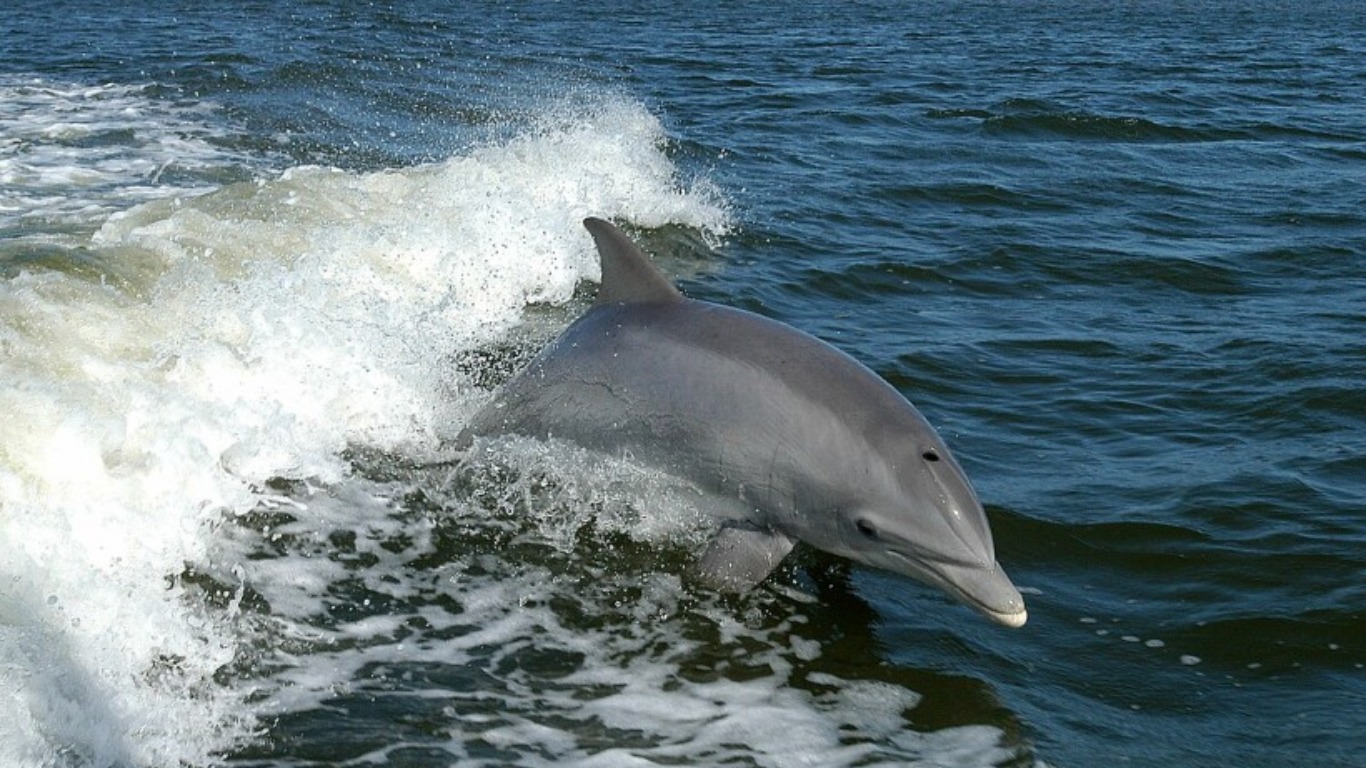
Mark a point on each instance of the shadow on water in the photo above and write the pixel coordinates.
(852, 647)
(87, 725)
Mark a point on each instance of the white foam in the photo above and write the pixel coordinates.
(629, 691)
(71, 154)
(254, 332)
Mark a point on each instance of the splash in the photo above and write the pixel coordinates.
(214, 343)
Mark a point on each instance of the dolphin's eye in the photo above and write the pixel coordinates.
(866, 528)
(930, 455)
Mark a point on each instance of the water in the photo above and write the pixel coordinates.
(260, 263)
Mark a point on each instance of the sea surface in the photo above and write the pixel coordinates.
(260, 262)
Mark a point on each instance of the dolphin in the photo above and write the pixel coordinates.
(792, 439)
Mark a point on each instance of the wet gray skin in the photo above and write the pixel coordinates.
(793, 439)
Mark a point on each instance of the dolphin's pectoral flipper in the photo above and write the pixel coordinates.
(741, 557)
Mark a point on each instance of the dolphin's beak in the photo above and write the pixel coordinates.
(988, 590)
(985, 588)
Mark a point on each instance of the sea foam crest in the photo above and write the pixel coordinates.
(253, 332)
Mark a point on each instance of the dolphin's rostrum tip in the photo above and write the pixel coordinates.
(1012, 620)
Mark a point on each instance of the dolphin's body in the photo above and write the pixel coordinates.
(795, 440)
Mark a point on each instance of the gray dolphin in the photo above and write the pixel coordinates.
(793, 439)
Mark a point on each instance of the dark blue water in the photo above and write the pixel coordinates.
(1115, 252)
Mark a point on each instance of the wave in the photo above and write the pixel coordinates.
(1040, 119)
(166, 368)
(72, 154)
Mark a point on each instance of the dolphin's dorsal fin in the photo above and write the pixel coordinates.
(627, 274)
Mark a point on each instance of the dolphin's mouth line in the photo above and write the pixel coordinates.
(920, 556)
(925, 567)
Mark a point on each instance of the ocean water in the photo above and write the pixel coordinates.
(260, 262)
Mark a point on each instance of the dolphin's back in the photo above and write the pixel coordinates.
(708, 392)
